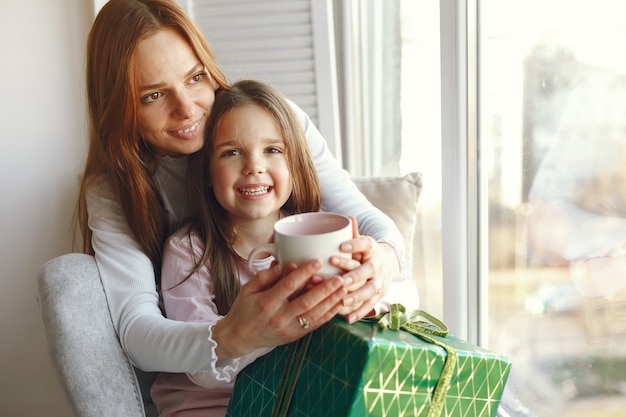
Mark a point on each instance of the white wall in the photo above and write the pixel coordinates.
(42, 133)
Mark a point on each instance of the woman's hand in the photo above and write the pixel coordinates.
(269, 311)
(370, 281)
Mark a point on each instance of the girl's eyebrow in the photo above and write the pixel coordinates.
(227, 144)
(189, 73)
(233, 143)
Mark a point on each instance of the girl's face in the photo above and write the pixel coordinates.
(176, 94)
(249, 170)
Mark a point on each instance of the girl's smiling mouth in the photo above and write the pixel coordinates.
(253, 191)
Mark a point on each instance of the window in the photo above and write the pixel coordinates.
(552, 136)
(524, 206)
(421, 137)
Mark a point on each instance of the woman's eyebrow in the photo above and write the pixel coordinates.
(189, 73)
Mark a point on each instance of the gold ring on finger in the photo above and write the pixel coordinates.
(303, 322)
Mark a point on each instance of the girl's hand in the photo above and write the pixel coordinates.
(269, 311)
(370, 281)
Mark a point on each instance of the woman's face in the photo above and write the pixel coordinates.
(249, 170)
(176, 94)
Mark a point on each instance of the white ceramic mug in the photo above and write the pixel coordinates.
(302, 237)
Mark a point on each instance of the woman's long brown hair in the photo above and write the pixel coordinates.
(216, 232)
(116, 151)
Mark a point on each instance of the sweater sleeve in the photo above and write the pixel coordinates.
(152, 342)
(341, 195)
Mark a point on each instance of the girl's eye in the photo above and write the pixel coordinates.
(152, 97)
(230, 152)
(274, 149)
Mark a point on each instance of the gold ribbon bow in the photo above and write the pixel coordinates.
(398, 319)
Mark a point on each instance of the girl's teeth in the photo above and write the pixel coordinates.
(254, 191)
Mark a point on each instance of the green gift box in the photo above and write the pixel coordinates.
(363, 369)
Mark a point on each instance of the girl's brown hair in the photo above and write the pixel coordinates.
(116, 150)
(215, 231)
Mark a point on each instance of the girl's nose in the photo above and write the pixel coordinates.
(254, 165)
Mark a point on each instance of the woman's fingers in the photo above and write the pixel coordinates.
(362, 249)
(294, 279)
(371, 280)
(272, 308)
(280, 297)
(361, 302)
(320, 303)
(347, 264)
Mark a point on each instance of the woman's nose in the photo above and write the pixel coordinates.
(183, 105)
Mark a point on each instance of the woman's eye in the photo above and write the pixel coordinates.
(197, 78)
(152, 97)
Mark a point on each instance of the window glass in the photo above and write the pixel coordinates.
(421, 143)
(552, 119)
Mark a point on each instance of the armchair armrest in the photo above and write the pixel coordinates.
(96, 374)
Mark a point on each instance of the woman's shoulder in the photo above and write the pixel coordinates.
(103, 204)
(99, 186)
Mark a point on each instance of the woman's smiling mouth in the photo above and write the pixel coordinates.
(189, 129)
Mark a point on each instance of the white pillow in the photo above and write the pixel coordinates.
(398, 198)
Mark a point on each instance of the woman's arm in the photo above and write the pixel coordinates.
(152, 342)
(265, 313)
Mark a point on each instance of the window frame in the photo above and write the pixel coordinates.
(460, 243)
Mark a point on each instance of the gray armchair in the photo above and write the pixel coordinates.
(95, 372)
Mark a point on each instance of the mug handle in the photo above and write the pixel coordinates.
(267, 247)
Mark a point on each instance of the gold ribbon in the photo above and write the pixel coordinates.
(398, 319)
(290, 376)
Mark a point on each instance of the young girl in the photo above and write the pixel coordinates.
(254, 168)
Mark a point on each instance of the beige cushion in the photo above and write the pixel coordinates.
(398, 198)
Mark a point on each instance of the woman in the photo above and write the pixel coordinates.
(151, 80)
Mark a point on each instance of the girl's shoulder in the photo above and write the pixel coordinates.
(185, 238)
